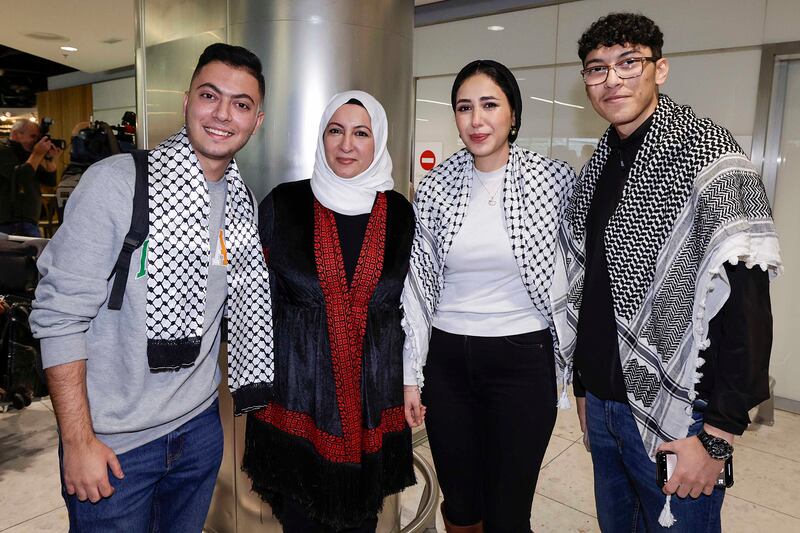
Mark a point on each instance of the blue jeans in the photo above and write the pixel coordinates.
(627, 495)
(167, 486)
(28, 229)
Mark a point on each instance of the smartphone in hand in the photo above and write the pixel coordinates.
(665, 465)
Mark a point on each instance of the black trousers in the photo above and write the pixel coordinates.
(491, 407)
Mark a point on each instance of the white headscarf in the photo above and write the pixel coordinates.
(353, 196)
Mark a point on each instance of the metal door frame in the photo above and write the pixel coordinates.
(769, 109)
(770, 102)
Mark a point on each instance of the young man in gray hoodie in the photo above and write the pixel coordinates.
(134, 385)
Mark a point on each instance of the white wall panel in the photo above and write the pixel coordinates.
(528, 40)
(782, 22)
(111, 99)
(687, 25)
(434, 121)
(114, 93)
(722, 86)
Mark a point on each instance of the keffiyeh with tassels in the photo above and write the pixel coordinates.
(178, 261)
(535, 192)
(691, 202)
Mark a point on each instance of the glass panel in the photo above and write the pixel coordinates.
(785, 365)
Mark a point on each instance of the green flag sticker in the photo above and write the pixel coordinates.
(143, 260)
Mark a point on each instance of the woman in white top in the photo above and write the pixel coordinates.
(477, 304)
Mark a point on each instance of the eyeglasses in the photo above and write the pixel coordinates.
(626, 69)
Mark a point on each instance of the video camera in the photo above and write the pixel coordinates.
(44, 129)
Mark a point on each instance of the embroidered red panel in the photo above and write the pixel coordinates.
(346, 308)
(334, 448)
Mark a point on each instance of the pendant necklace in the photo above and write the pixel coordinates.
(492, 201)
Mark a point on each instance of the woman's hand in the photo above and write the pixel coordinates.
(414, 410)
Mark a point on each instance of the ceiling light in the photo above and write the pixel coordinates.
(423, 120)
(69, 48)
(432, 102)
(568, 105)
(495, 28)
(44, 36)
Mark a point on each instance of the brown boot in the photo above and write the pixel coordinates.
(451, 528)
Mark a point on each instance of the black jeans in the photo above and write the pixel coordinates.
(491, 409)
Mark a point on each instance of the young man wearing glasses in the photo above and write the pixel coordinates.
(670, 247)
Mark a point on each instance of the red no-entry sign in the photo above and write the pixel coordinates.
(427, 160)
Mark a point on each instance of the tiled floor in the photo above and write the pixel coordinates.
(764, 497)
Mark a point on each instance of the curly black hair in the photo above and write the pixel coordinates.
(621, 28)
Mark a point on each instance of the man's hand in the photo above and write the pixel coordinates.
(695, 472)
(413, 408)
(86, 467)
(43, 147)
(40, 150)
(581, 407)
(53, 153)
(86, 460)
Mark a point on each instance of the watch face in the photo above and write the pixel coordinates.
(716, 447)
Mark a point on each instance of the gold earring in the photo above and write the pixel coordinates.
(513, 132)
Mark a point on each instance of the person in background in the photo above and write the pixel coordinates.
(671, 246)
(27, 162)
(334, 442)
(478, 305)
(134, 381)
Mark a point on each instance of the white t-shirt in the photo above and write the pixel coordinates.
(483, 292)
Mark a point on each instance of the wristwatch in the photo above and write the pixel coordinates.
(718, 448)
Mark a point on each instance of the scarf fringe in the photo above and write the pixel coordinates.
(563, 400)
(666, 518)
(172, 354)
(341, 495)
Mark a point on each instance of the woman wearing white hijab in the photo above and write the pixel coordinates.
(333, 441)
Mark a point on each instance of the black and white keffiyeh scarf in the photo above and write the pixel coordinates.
(535, 193)
(692, 202)
(177, 273)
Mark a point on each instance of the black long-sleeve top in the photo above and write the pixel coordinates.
(735, 374)
(20, 195)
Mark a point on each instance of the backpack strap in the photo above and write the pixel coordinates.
(140, 226)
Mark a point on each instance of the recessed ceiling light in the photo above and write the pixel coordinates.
(44, 36)
(69, 48)
(496, 28)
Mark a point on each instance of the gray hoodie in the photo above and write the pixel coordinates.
(130, 405)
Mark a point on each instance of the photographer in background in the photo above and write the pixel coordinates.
(26, 163)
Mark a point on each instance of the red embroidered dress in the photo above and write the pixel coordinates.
(334, 437)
